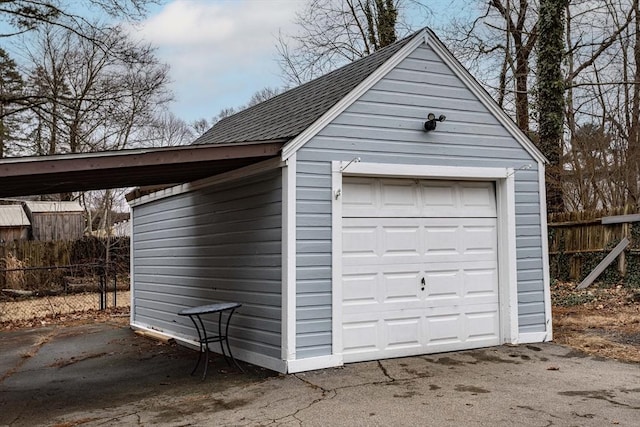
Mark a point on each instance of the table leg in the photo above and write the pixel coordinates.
(226, 339)
(200, 342)
(204, 343)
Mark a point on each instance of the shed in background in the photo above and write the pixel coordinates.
(54, 220)
(14, 223)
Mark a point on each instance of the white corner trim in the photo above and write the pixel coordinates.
(289, 184)
(295, 144)
(463, 74)
(546, 279)
(533, 337)
(336, 258)
(507, 262)
(313, 363)
(236, 174)
(132, 272)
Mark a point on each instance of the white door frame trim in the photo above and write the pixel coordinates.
(505, 204)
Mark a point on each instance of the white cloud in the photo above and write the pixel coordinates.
(220, 51)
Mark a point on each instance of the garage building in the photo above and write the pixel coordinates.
(374, 232)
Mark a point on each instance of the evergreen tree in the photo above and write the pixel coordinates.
(11, 86)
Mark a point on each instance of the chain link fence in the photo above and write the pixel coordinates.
(93, 289)
(29, 293)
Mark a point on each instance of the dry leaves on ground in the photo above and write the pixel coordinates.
(603, 322)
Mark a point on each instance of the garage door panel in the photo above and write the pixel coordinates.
(459, 240)
(374, 198)
(455, 199)
(401, 232)
(481, 281)
(439, 199)
(400, 241)
(399, 195)
(401, 287)
(375, 241)
(478, 197)
(359, 288)
(470, 279)
(443, 283)
(478, 323)
(483, 324)
(360, 241)
(479, 239)
(403, 333)
(362, 336)
(398, 329)
(444, 328)
(441, 240)
(359, 196)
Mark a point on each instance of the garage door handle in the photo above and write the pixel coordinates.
(424, 283)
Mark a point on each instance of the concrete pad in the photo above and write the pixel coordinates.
(103, 374)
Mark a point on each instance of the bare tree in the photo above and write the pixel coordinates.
(262, 95)
(22, 16)
(168, 130)
(202, 125)
(333, 32)
(84, 98)
(595, 150)
(199, 126)
(498, 47)
(601, 81)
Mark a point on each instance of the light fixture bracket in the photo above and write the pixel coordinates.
(431, 122)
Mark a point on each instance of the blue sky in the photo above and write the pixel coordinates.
(222, 51)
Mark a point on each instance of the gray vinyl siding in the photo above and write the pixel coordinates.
(385, 126)
(216, 244)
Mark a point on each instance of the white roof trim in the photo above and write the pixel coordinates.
(472, 84)
(53, 206)
(295, 144)
(428, 37)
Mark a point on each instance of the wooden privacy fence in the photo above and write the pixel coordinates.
(578, 241)
(24, 263)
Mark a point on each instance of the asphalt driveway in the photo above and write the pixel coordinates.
(103, 374)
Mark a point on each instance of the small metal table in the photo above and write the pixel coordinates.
(204, 339)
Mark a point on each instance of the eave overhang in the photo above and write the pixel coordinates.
(25, 176)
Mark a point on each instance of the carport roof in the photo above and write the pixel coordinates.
(127, 168)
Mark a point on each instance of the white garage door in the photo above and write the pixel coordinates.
(420, 270)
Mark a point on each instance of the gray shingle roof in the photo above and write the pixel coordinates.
(285, 116)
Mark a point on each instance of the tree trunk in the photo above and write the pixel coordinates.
(522, 89)
(551, 96)
(633, 158)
